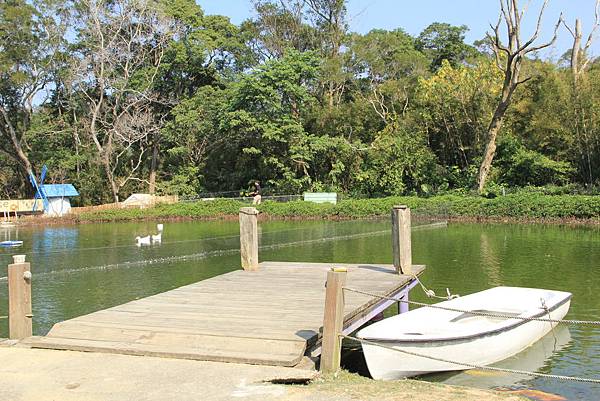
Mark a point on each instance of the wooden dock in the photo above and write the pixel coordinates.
(271, 316)
(269, 313)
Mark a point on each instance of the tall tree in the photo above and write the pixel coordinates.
(330, 19)
(579, 62)
(120, 51)
(279, 26)
(31, 43)
(442, 41)
(389, 63)
(509, 59)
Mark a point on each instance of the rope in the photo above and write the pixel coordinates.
(3, 317)
(478, 313)
(431, 293)
(473, 366)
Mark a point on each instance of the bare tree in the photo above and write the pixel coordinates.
(579, 59)
(509, 59)
(124, 42)
(330, 18)
(579, 63)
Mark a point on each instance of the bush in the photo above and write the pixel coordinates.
(524, 204)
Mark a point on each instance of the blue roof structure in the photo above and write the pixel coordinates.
(59, 190)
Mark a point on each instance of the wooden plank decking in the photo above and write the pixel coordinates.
(268, 317)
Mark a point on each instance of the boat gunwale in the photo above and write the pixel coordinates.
(520, 321)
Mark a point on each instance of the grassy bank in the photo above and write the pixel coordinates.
(347, 386)
(515, 206)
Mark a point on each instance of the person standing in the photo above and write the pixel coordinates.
(257, 193)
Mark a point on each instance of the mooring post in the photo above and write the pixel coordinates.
(333, 321)
(249, 238)
(19, 299)
(401, 239)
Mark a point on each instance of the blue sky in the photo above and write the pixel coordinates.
(413, 16)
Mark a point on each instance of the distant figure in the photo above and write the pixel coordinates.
(256, 193)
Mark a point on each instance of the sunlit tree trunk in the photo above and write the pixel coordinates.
(509, 58)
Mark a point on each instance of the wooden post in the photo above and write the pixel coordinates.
(249, 238)
(401, 239)
(333, 321)
(19, 299)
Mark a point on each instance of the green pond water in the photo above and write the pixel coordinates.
(81, 269)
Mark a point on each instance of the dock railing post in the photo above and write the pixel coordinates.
(19, 299)
(401, 239)
(249, 238)
(333, 321)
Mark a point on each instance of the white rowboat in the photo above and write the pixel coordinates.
(462, 336)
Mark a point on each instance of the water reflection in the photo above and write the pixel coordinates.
(535, 358)
(54, 238)
(490, 261)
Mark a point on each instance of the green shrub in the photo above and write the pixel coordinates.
(524, 204)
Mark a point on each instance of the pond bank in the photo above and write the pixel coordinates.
(514, 208)
(30, 374)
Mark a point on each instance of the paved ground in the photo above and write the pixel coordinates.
(45, 375)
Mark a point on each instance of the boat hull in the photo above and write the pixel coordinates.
(488, 348)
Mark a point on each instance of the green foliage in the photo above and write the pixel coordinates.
(399, 162)
(445, 42)
(455, 105)
(522, 205)
(264, 118)
(523, 167)
(289, 97)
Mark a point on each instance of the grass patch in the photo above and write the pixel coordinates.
(353, 386)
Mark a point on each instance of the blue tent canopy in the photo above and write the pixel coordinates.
(59, 190)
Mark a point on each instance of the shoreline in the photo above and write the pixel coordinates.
(73, 220)
(520, 208)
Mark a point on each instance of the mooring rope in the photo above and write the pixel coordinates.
(431, 293)
(478, 313)
(474, 366)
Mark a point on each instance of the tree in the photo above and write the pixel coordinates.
(206, 48)
(386, 64)
(579, 59)
(120, 50)
(453, 107)
(330, 19)
(442, 41)
(191, 136)
(31, 45)
(509, 59)
(263, 123)
(399, 161)
(579, 63)
(279, 26)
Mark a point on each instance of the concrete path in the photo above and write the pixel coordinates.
(49, 375)
(31, 374)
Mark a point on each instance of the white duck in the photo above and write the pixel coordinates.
(139, 241)
(158, 237)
